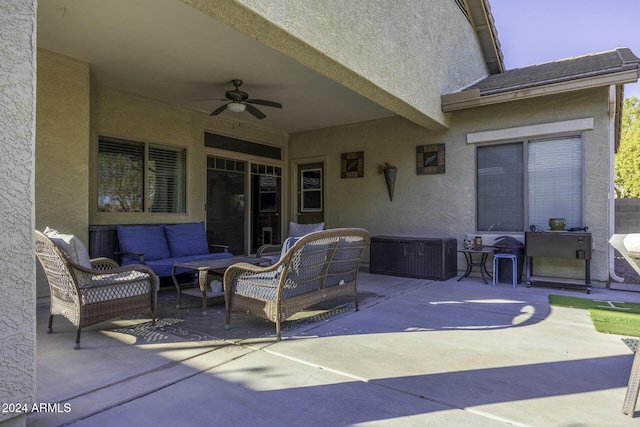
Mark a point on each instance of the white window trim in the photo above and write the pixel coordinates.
(531, 131)
(303, 192)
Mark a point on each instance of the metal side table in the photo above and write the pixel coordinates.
(482, 263)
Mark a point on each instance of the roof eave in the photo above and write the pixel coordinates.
(472, 98)
(485, 27)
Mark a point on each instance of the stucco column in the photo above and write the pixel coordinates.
(17, 160)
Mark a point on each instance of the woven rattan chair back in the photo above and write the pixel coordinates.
(86, 296)
(320, 266)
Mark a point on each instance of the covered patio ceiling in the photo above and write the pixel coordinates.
(171, 52)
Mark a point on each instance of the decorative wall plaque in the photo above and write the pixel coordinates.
(352, 165)
(429, 159)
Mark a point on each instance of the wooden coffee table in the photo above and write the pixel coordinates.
(203, 268)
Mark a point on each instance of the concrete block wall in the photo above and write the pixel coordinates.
(627, 216)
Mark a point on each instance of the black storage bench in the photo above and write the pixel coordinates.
(417, 257)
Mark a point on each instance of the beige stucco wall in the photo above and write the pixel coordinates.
(386, 54)
(17, 157)
(62, 150)
(444, 204)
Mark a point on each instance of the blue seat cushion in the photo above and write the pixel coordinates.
(147, 239)
(163, 267)
(186, 239)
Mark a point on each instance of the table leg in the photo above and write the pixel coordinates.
(177, 285)
(467, 258)
(203, 274)
(483, 267)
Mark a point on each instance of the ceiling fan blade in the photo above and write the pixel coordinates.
(255, 112)
(218, 110)
(263, 102)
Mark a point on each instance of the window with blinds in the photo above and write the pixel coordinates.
(140, 177)
(555, 181)
(526, 183)
(500, 195)
(166, 179)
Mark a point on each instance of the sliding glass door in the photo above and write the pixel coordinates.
(228, 222)
(266, 183)
(226, 200)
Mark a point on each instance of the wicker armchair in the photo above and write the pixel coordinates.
(320, 266)
(86, 296)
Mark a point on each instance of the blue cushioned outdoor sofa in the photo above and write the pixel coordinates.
(160, 246)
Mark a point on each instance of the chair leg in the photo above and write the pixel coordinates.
(356, 301)
(514, 264)
(495, 271)
(77, 346)
(227, 322)
(633, 387)
(278, 331)
(50, 328)
(153, 321)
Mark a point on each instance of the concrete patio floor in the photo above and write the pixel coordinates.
(418, 353)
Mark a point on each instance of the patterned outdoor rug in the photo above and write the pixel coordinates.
(166, 330)
(188, 324)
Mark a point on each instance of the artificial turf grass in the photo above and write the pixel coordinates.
(607, 317)
(574, 302)
(618, 323)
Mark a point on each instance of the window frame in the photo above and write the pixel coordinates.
(524, 142)
(312, 207)
(181, 187)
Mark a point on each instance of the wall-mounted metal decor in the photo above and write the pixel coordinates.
(429, 159)
(352, 165)
(390, 173)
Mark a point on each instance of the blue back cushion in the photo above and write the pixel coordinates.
(288, 243)
(187, 239)
(147, 239)
(300, 230)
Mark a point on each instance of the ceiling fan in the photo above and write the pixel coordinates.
(240, 101)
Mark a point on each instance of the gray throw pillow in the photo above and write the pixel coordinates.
(299, 230)
(71, 245)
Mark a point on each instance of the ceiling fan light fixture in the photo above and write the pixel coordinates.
(236, 107)
(239, 101)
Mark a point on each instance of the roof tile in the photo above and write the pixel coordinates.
(613, 61)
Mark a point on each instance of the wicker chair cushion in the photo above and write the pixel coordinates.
(187, 239)
(259, 286)
(299, 230)
(303, 276)
(147, 239)
(126, 284)
(70, 245)
(265, 286)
